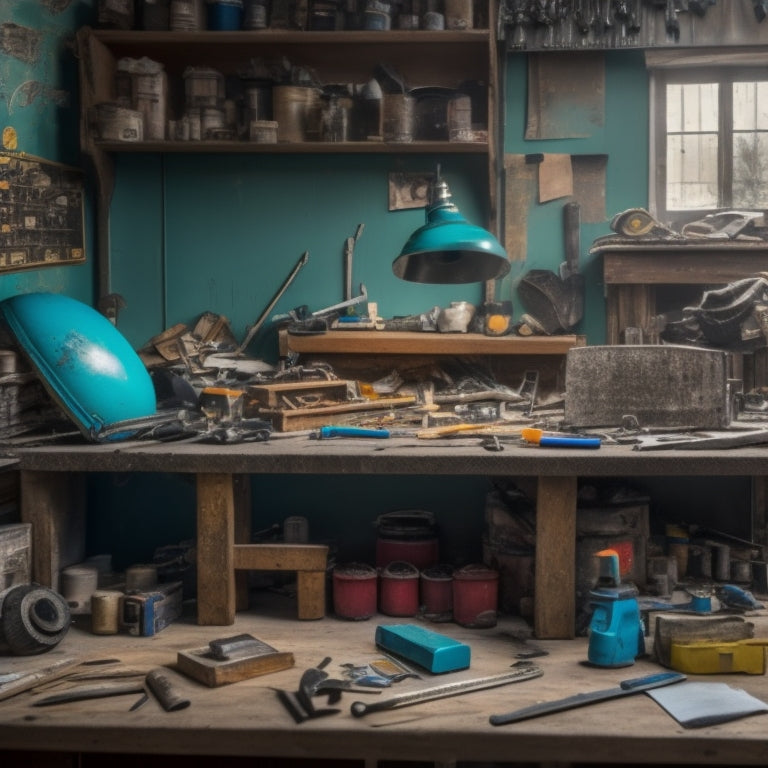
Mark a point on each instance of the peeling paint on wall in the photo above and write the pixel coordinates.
(56, 6)
(33, 90)
(22, 43)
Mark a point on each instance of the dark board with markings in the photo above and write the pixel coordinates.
(41, 213)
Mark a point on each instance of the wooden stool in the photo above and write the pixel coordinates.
(224, 554)
(308, 560)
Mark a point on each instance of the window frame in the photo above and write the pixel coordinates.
(722, 69)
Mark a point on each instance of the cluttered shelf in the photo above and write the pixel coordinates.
(247, 717)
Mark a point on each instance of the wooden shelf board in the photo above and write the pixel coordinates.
(307, 147)
(411, 343)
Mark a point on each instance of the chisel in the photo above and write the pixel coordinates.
(625, 688)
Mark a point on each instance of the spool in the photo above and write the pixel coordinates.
(105, 612)
(78, 583)
(140, 578)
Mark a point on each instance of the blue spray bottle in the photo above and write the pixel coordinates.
(616, 629)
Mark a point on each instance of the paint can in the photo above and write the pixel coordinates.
(155, 15)
(408, 535)
(296, 530)
(255, 14)
(397, 117)
(203, 87)
(436, 592)
(296, 110)
(187, 16)
(263, 131)
(460, 118)
(355, 591)
(476, 596)
(150, 96)
(433, 20)
(225, 15)
(399, 589)
(140, 578)
(114, 123)
(115, 14)
(458, 14)
(105, 612)
(78, 583)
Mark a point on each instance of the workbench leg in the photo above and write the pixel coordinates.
(54, 503)
(241, 487)
(215, 542)
(555, 581)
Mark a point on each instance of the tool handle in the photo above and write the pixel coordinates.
(327, 432)
(570, 442)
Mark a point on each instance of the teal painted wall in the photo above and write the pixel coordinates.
(623, 138)
(39, 105)
(193, 233)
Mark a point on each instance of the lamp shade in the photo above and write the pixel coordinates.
(448, 249)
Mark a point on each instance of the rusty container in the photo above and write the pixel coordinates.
(476, 596)
(355, 591)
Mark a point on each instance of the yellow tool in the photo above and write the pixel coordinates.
(711, 658)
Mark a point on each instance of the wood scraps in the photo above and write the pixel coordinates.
(41, 213)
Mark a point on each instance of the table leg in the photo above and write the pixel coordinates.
(54, 503)
(216, 599)
(555, 580)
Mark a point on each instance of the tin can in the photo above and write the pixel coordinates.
(225, 15)
(475, 596)
(399, 589)
(355, 587)
(436, 591)
(397, 117)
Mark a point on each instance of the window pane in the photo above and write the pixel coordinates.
(692, 171)
(750, 106)
(750, 170)
(692, 107)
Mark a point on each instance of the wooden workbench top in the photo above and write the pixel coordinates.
(246, 718)
(294, 453)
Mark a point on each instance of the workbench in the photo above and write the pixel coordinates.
(52, 497)
(246, 719)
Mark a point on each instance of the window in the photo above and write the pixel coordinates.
(711, 141)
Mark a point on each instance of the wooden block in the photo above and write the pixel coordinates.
(201, 665)
(297, 394)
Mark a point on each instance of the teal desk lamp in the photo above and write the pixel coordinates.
(448, 249)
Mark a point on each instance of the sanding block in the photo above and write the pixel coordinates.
(231, 659)
(430, 650)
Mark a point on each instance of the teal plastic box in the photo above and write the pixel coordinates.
(430, 650)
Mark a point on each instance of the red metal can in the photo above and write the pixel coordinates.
(436, 588)
(399, 589)
(475, 596)
(355, 591)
